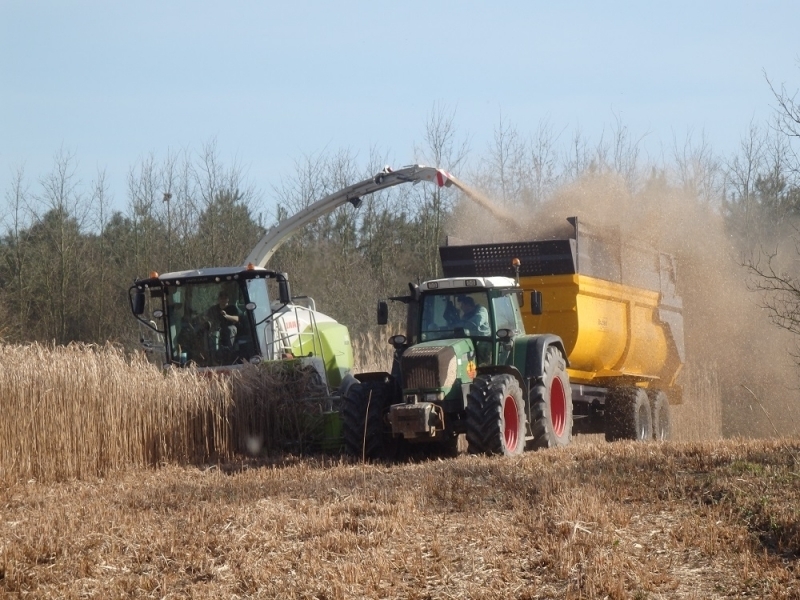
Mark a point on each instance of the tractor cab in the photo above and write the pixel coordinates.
(474, 309)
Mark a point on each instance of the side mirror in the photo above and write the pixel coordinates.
(137, 302)
(250, 306)
(383, 312)
(284, 294)
(505, 336)
(397, 340)
(536, 302)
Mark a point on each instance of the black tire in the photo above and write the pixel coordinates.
(628, 415)
(366, 433)
(551, 404)
(495, 416)
(662, 419)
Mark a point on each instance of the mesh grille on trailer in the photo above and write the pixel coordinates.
(549, 257)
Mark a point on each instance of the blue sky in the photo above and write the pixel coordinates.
(272, 82)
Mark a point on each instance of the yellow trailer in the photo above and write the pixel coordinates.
(614, 305)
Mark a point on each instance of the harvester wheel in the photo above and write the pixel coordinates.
(364, 409)
(662, 422)
(551, 404)
(495, 416)
(628, 415)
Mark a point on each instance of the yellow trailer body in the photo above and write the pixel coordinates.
(611, 300)
(609, 330)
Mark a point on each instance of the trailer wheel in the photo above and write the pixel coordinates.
(495, 416)
(551, 404)
(628, 415)
(662, 421)
(366, 433)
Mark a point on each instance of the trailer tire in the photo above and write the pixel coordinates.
(628, 415)
(366, 432)
(551, 403)
(495, 416)
(662, 419)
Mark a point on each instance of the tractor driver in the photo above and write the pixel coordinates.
(223, 318)
(473, 316)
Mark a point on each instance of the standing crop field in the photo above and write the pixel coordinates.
(81, 411)
(77, 411)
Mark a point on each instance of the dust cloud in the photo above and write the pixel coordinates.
(740, 378)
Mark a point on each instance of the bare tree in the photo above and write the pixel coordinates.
(787, 110)
(227, 202)
(66, 212)
(625, 154)
(780, 289)
(16, 220)
(698, 169)
(442, 148)
(741, 174)
(578, 159)
(100, 319)
(775, 196)
(544, 175)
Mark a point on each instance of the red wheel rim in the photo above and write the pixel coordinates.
(510, 423)
(558, 406)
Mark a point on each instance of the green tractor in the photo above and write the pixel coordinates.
(465, 377)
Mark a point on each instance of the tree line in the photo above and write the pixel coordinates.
(67, 258)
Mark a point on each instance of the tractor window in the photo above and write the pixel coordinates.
(257, 290)
(259, 295)
(447, 315)
(198, 328)
(505, 316)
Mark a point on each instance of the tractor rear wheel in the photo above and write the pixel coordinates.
(364, 409)
(551, 404)
(495, 416)
(662, 421)
(628, 415)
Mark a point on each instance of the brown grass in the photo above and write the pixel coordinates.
(623, 520)
(82, 517)
(80, 411)
(372, 351)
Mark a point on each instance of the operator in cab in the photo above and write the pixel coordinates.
(224, 318)
(473, 316)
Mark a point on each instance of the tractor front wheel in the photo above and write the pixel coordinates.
(367, 435)
(495, 416)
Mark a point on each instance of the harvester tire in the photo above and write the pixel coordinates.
(495, 416)
(628, 415)
(366, 433)
(662, 420)
(551, 404)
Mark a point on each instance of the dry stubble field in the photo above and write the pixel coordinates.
(118, 481)
(670, 520)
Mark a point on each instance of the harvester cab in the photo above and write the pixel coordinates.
(223, 317)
